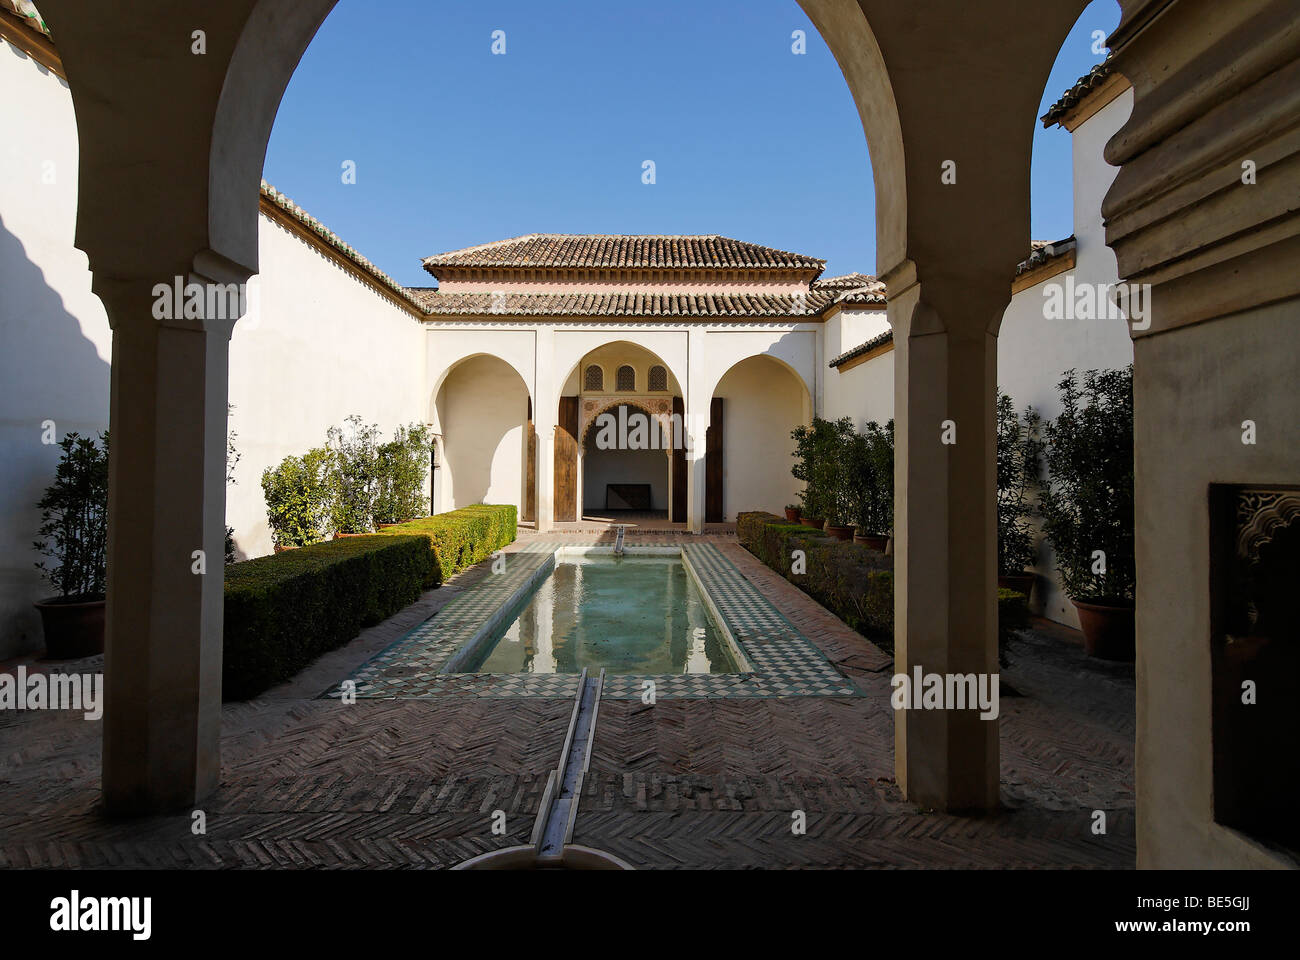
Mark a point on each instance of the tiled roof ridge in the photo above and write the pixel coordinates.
(622, 251)
(860, 349)
(626, 303)
(27, 10)
(1090, 81)
(330, 239)
(1044, 252)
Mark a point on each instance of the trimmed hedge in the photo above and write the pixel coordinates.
(461, 538)
(851, 580)
(285, 610)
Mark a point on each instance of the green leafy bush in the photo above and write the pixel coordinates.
(872, 477)
(461, 538)
(403, 468)
(74, 520)
(297, 494)
(284, 611)
(1087, 500)
(353, 474)
(851, 580)
(848, 476)
(1013, 617)
(1019, 464)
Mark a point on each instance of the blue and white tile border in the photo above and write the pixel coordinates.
(776, 659)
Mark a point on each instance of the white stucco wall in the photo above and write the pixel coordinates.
(55, 342)
(864, 392)
(762, 402)
(1035, 351)
(316, 346)
(482, 410)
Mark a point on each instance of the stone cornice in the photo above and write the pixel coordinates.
(1211, 113)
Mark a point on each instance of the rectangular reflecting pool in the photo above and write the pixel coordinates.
(629, 614)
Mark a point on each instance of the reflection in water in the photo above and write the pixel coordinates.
(630, 615)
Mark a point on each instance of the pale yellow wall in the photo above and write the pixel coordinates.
(1244, 367)
(762, 402)
(482, 410)
(864, 392)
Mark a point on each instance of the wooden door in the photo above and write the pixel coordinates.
(566, 461)
(677, 507)
(714, 511)
(530, 469)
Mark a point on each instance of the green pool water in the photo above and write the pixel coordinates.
(629, 614)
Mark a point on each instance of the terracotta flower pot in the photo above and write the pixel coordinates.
(72, 629)
(344, 536)
(873, 540)
(792, 514)
(814, 522)
(385, 526)
(1109, 629)
(839, 533)
(1019, 582)
(281, 549)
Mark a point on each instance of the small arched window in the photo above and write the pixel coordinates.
(594, 379)
(625, 378)
(658, 379)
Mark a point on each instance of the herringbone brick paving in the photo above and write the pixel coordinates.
(687, 783)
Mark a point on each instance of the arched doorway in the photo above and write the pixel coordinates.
(482, 413)
(755, 406)
(625, 464)
(617, 452)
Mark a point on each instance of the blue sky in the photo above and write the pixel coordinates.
(455, 146)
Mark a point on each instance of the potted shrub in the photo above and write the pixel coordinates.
(873, 460)
(1019, 464)
(402, 468)
(834, 440)
(1087, 506)
(354, 465)
(297, 499)
(74, 540)
(808, 469)
(792, 512)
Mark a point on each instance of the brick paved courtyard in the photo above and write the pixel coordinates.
(712, 782)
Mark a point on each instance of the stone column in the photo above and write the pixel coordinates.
(698, 394)
(945, 565)
(166, 502)
(1204, 219)
(546, 399)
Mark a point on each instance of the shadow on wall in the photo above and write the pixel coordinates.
(49, 371)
